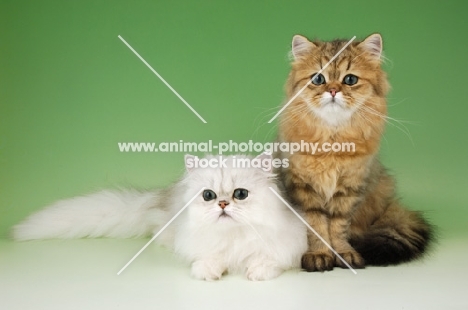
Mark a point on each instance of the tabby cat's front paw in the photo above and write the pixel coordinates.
(207, 270)
(352, 258)
(317, 261)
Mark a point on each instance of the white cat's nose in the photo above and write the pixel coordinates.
(222, 204)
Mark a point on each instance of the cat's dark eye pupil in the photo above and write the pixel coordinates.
(350, 79)
(208, 195)
(318, 79)
(241, 193)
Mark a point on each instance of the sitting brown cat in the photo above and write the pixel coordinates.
(346, 194)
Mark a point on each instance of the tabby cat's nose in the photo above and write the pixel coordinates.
(222, 204)
(333, 92)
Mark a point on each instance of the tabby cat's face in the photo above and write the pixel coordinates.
(351, 85)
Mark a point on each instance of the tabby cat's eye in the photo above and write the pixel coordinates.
(350, 79)
(318, 80)
(208, 195)
(240, 193)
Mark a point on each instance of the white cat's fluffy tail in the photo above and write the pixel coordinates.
(109, 213)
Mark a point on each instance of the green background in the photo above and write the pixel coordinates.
(70, 90)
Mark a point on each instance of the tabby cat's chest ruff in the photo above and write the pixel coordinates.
(328, 175)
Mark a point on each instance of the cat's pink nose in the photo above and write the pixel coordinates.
(333, 92)
(222, 204)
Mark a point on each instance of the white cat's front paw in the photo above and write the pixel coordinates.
(262, 272)
(207, 270)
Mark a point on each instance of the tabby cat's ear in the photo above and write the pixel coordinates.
(373, 45)
(301, 46)
(190, 162)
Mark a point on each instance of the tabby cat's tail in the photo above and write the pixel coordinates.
(115, 214)
(398, 236)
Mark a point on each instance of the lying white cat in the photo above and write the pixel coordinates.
(236, 224)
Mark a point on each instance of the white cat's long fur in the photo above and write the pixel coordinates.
(260, 238)
(109, 213)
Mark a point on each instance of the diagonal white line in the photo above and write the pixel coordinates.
(162, 79)
(310, 81)
(313, 230)
(160, 231)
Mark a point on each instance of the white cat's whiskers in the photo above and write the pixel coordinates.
(209, 214)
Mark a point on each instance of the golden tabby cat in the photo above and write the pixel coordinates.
(347, 196)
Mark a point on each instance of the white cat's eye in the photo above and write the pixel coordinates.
(319, 79)
(350, 79)
(208, 195)
(240, 193)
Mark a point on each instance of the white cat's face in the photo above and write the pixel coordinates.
(232, 196)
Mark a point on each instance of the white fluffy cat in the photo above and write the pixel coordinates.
(236, 224)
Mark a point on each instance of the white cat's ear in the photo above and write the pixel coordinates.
(190, 161)
(373, 45)
(265, 159)
(301, 46)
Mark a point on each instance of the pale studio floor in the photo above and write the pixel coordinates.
(81, 274)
